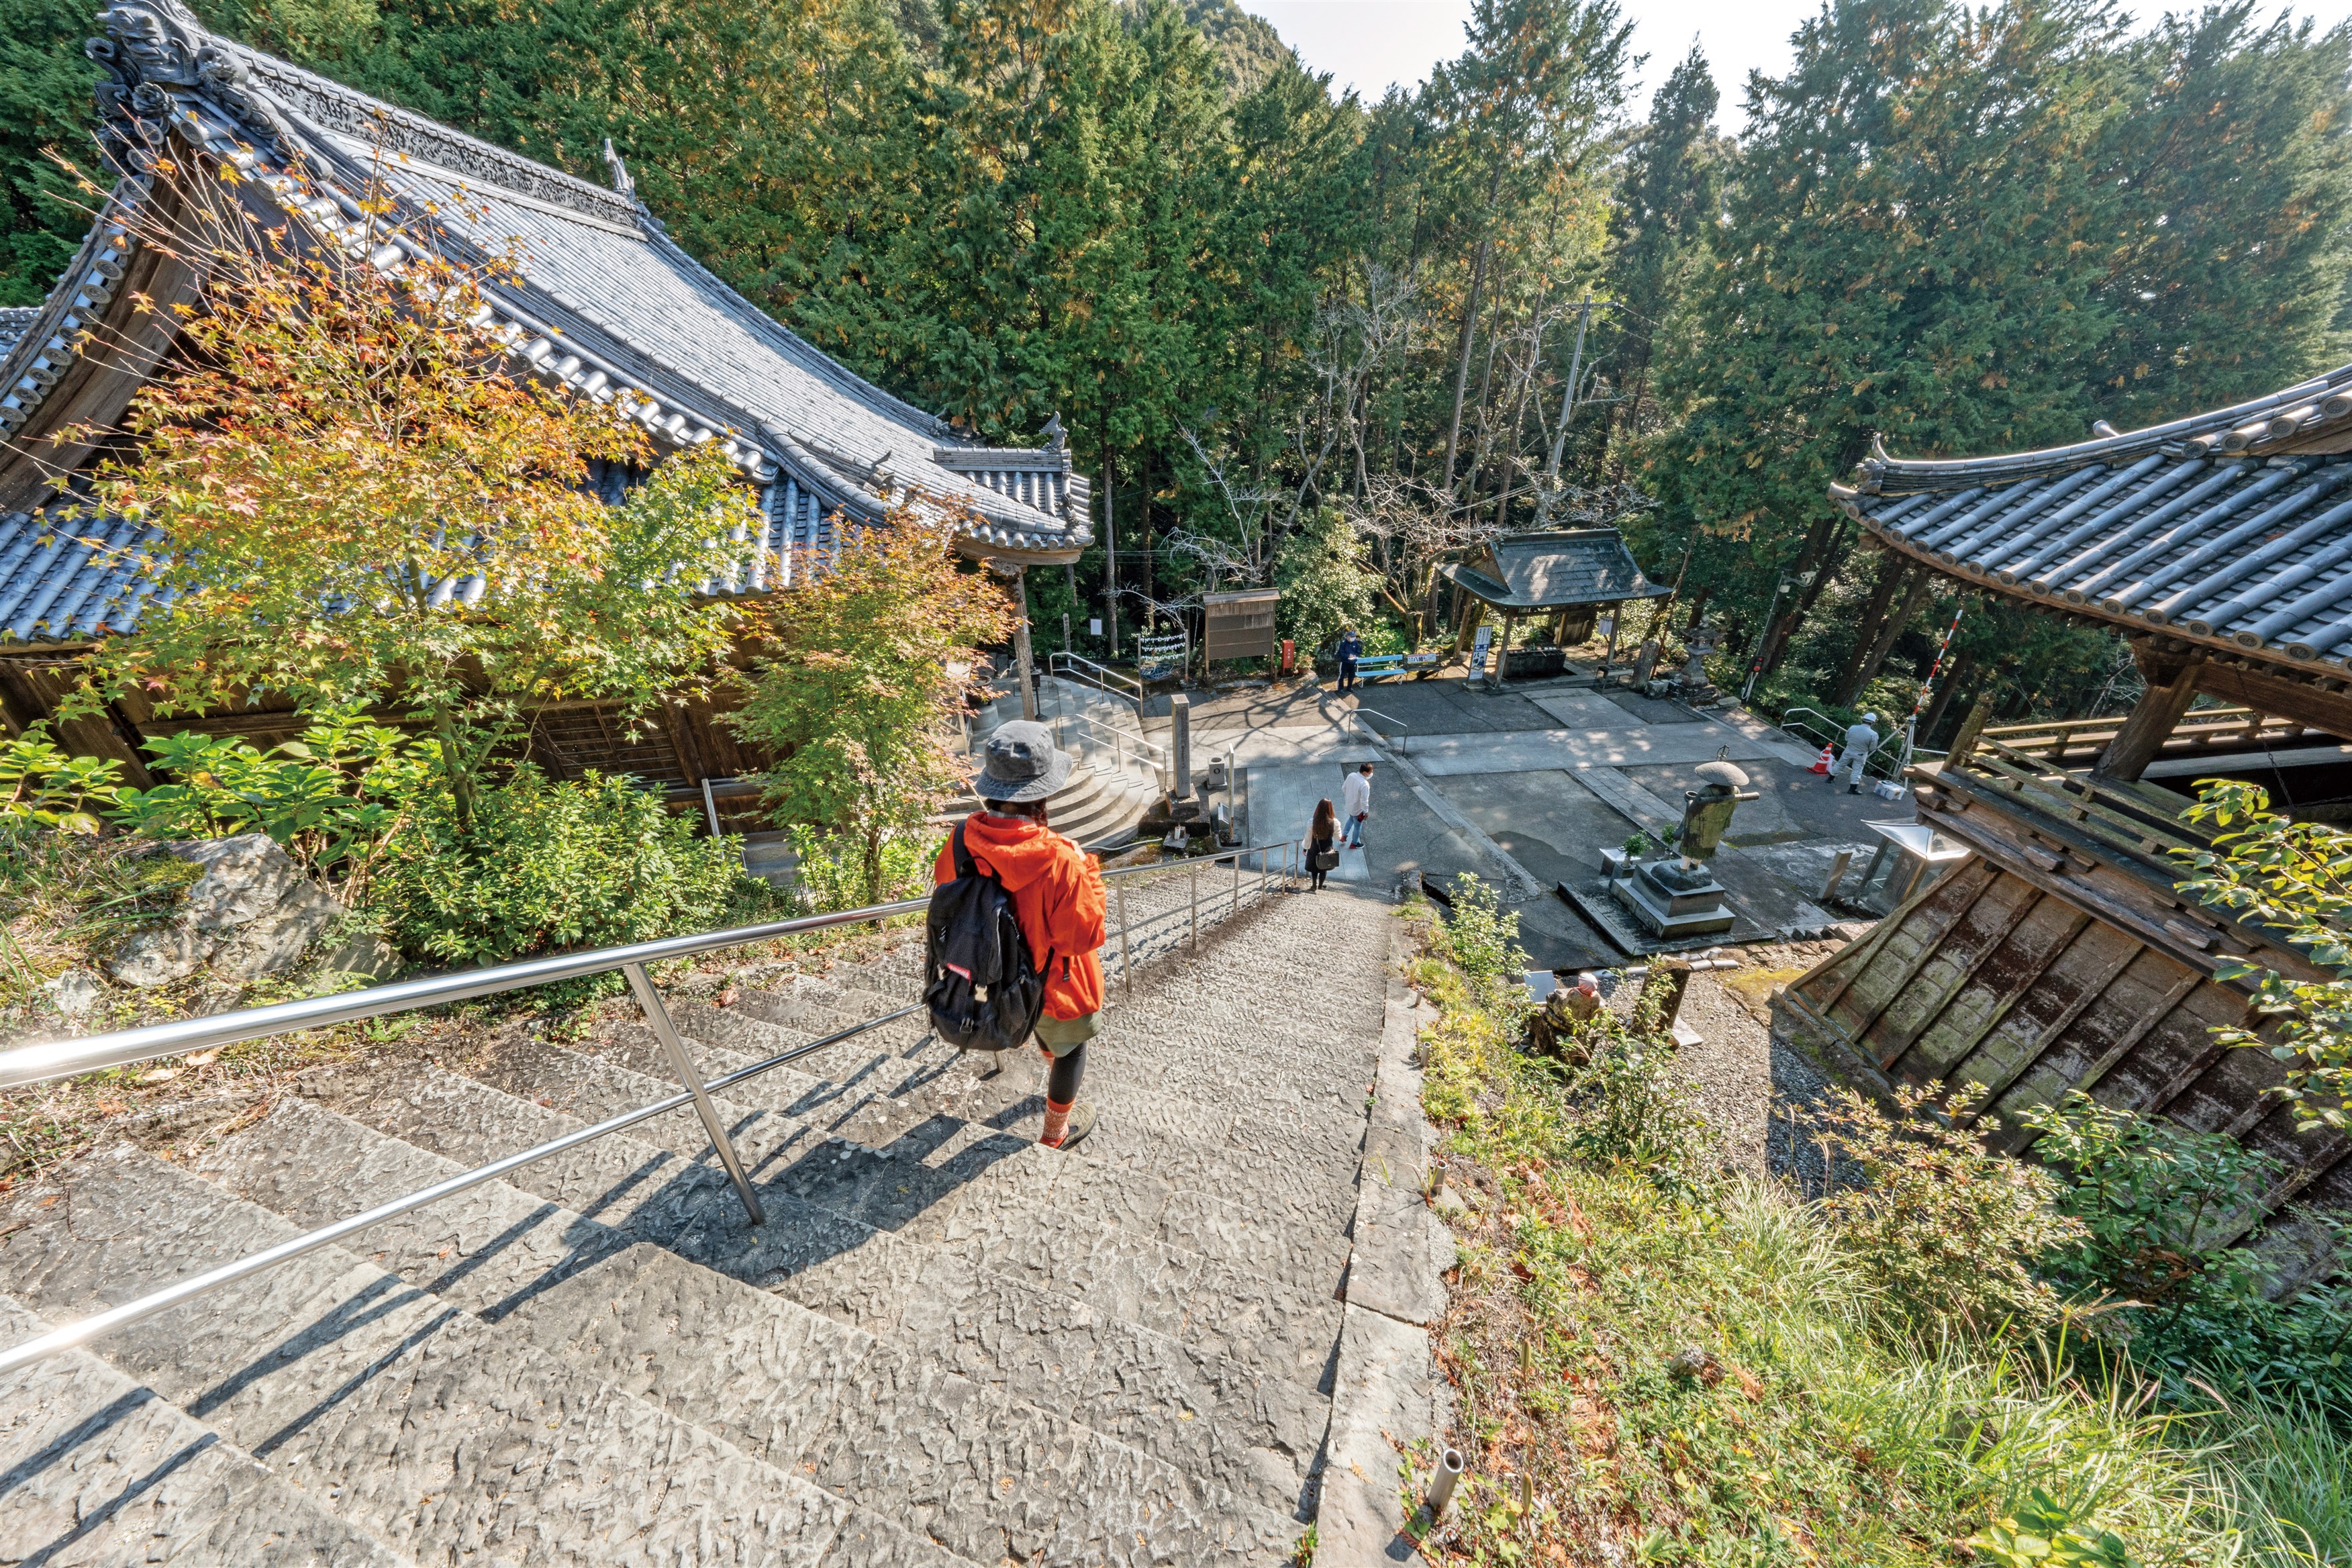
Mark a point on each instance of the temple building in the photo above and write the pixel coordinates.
(2062, 954)
(1565, 577)
(604, 301)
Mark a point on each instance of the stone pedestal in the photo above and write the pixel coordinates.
(1675, 900)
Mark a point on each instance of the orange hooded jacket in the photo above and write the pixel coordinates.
(1057, 896)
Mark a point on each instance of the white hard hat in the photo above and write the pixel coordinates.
(1870, 718)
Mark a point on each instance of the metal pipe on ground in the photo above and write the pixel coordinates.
(1440, 1495)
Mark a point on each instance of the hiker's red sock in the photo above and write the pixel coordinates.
(1057, 1121)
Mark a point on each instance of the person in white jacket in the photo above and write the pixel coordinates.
(1355, 805)
(1861, 740)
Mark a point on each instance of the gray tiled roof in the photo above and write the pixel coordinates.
(1555, 570)
(16, 320)
(2232, 528)
(605, 302)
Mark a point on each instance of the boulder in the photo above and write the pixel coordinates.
(366, 954)
(275, 940)
(244, 878)
(158, 957)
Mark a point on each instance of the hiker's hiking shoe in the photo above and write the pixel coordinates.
(1081, 1122)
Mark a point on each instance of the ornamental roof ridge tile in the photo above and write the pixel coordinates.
(2257, 422)
(333, 106)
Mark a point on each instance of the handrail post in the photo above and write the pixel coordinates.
(1237, 882)
(1196, 906)
(1126, 957)
(657, 1017)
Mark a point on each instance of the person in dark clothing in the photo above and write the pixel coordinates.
(1350, 649)
(1322, 839)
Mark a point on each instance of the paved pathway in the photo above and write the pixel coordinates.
(947, 1346)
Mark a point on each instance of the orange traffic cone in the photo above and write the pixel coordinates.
(1821, 762)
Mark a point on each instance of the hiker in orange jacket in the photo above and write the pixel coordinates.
(1057, 896)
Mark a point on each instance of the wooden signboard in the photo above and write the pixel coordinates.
(1240, 624)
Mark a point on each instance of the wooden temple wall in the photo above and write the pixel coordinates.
(1998, 978)
(673, 748)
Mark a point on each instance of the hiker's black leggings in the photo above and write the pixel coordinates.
(1062, 1083)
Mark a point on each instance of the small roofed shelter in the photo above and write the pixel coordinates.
(2065, 954)
(1569, 575)
(603, 302)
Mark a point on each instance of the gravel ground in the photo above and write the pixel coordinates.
(1757, 1089)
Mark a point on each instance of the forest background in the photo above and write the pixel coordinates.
(1259, 308)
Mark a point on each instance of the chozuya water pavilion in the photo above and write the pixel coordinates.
(605, 302)
(2062, 954)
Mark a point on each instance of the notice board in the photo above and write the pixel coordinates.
(1239, 625)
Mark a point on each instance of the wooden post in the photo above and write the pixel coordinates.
(1965, 742)
(2171, 686)
(1028, 672)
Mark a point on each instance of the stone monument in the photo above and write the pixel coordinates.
(1692, 685)
(1679, 897)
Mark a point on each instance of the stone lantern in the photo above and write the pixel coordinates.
(1680, 897)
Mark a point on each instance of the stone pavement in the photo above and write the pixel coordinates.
(1525, 789)
(947, 1346)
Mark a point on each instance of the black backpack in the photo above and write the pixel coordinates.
(983, 991)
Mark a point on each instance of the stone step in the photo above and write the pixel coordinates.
(95, 1469)
(1148, 1082)
(1296, 1234)
(984, 1474)
(1319, 1053)
(1205, 1415)
(994, 1203)
(450, 1439)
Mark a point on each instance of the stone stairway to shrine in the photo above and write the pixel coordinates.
(947, 1345)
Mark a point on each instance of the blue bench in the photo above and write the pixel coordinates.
(1389, 666)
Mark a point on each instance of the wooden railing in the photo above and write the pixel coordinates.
(2079, 741)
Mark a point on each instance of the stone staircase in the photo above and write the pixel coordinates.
(947, 1346)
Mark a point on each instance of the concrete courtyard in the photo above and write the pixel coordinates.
(1525, 789)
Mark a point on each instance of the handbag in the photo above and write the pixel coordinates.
(1323, 860)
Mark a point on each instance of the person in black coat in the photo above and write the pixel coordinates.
(1321, 842)
(1350, 649)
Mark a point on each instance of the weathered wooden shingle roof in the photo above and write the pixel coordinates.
(604, 302)
(1553, 571)
(2232, 528)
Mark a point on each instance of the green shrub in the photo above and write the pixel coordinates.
(332, 799)
(43, 787)
(1632, 1107)
(1949, 1234)
(2160, 1206)
(2150, 1195)
(589, 862)
(1325, 586)
(1481, 937)
(832, 871)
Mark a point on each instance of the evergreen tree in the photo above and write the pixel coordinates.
(44, 108)
(1668, 201)
(1913, 251)
(2231, 162)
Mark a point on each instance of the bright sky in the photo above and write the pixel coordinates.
(1369, 44)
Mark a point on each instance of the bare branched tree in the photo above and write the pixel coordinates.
(1353, 338)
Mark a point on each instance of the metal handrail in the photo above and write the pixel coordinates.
(1120, 739)
(1349, 717)
(123, 1047)
(1831, 735)
(1083, 669)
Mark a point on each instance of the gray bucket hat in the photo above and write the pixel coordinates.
(1021, 764)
